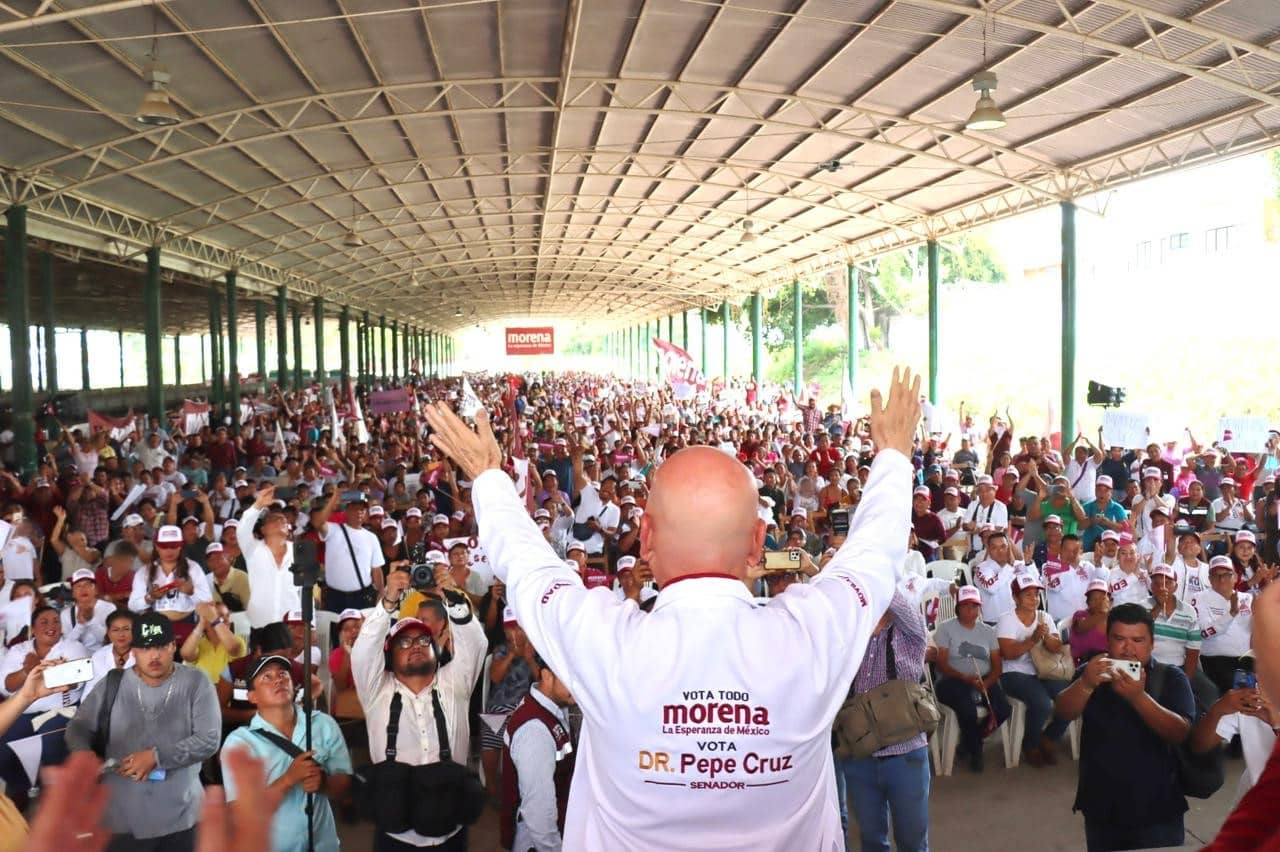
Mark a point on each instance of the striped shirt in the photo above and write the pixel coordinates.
(1175, 634)
(908, 658)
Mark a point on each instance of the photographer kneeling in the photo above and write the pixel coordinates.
(421, 792)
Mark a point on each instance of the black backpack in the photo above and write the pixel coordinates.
(1199, 775)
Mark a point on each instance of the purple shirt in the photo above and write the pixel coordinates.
(908, 629)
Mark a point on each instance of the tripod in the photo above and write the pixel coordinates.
(306, 574)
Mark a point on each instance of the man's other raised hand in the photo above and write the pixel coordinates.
(893, 423)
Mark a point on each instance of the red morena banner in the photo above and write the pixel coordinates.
(531, 341)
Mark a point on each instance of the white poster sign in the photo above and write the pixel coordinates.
(1243, 434)
(1128, 429)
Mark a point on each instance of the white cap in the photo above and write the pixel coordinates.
(435, 557)
(626, 563)
(575, 545)
(950, 492)
(628, 500)
(348, 614)
(82, 574)
(542, 513)
(389, 524)
(239, 483)
(985, 480)
(214, 547)
(1152, 472)
(1111, 535)
(968, 594)
(230, 524)
(1245, 535)
(133, 519)
(439, 519)
(375, 510)
(1097, 586)
(413, 512)
(1104, 480)
(459, 515)
(800, 511)
(921, 491)
(169, 535)
(1227, 480)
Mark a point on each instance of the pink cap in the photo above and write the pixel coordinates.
(1026, 580)
(968, 594)
(921, 491)
(1163, 570)
(1111, 535)
(1104, 480)
(950, 492)
(1097, 586)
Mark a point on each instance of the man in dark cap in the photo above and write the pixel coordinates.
(162, 723)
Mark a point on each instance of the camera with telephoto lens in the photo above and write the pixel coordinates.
(422, 574)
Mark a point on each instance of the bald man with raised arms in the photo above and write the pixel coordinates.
(707, 722)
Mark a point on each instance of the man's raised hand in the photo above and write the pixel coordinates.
(475, 451)
(893, 423)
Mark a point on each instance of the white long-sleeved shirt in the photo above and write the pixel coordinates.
(533, 751)
(417, 743)
(994, 582)
(93, 634)
(272, 594)
(174, 601)
(652, 686)
(65, 649)
(1224, 634)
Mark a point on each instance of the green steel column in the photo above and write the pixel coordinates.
(151, 314)
(233, 352)
(395, 351)
(19, 315)
(84, 358)
(931, 249)
(260, 337)
(647, 341)
(120, 352)
(702, 352)
(359, 352)
(177, 359)
(204, 373)
(684, 329)
(282, 338)
(382, 361)
(431, 352)
(317, 309)
(297, 347)
(797, 338)
(215, 364)
(50, 337)
(344, 349)
(1068, 320)
(852, 354)
(757, 339)
(671, 328)
(368, 351)
(724, 330)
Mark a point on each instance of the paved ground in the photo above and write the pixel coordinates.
(1012, 809)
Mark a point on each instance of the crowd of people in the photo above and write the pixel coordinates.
(166, 556)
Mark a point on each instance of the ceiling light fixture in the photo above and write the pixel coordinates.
(457, 313)
(352, 240)
(156, 110)
(986, 115)
(748, 231)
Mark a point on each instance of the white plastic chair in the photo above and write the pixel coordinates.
(950, 569)
(484, 704)
(1014, 729)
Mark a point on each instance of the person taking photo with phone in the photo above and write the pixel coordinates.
(1133, 718)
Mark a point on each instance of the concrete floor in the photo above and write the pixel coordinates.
(1022, 809)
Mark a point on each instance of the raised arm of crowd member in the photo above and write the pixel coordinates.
(321, 518)
(576, 452)
(368, 659)
(206, 514)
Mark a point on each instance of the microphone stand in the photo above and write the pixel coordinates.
(306, 573)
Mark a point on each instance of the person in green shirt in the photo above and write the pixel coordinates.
(1057, 500)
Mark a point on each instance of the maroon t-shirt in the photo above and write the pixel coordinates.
(107, 586)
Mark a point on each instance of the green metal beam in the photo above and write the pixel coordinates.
(297, 347)
(215, 354)
(50, 336)
(120, 352)
(702, 324)
(233, 352)
(19, 315)
(151, 315)
(797, 351)
(344, 348)
(757, 338)
(177, 359)
(931, 250)
(282, 337)
(317, 309)
(382, 361)
(724, 333)
(395, 351)
(851, 353)
(260, 337)
(684, 330)
(1068, 322)
(84, 358)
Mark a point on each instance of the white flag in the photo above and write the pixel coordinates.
(362, 431)
(335, 425)
(470, 402)
(847, 411)
(278, 448)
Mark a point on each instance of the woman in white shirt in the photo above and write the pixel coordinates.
(171, 585)
(46, 719)
(1018, 631)
(118, 652)
(1127, 582)
(263, 536)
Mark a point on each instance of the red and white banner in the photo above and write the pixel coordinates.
(683, 375)
(119, 428)
(531, 341)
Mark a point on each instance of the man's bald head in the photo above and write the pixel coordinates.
(701, 517)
